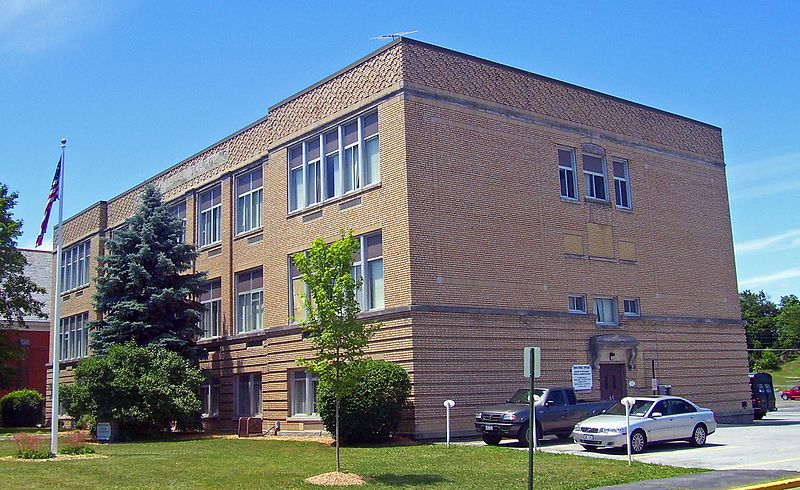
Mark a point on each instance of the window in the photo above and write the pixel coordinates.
(211, 299)
(73, 337)
(249, 195)
(556, 397)
(297, 288)
(631, 307)
(680, 406)
(566, 173)
(209, 397)
(249, 300)
(248, 395)
(371, 294)
(179, 211)
(75, 266)
(303, 391)
(209, 205)
(594, 177)
(606, 311)
(577, 303)
(622, 184)
(334, 162)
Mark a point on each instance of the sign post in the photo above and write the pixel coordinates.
(532, 369)
(448, 405)
(628, 402)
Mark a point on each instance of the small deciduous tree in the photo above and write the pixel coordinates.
(331, 322)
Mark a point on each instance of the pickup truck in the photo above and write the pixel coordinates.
(557, 412)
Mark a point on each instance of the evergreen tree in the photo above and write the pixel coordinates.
(143, 293)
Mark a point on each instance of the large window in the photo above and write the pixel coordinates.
(297, 288)
(303, 393)
(211, 299)
(73, 337)
(334, 162)
(249, 300)
(567, 174)
(594, 177)
(248, 395)
(75, 266)
(606, 311)
(249, 195)
(622, 184)
(179, 211)
(209, 206)
(371, 295)
(209, 397)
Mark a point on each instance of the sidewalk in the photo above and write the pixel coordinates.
(717, 480)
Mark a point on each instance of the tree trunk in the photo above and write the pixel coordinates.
(338, 468)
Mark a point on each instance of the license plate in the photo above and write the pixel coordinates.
(488, 428)
(588, 437)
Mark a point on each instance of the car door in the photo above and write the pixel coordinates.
(556, 408)
(660, 428)
(685, 417)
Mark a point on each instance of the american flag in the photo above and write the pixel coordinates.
(50, 200)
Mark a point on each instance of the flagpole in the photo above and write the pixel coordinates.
(57, 312)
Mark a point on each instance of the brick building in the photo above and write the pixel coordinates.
(497, 209)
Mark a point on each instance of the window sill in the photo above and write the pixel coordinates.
(331, 200)
(75, 290)
(594, 200)
(210, 417)
(210, 246)
(570, 200)
(624, 209)
(581, 313)
(249, 233)
(304, 418)
(607, 324)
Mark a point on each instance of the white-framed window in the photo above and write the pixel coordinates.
(577, 303)
(75, 266)
(605, 309)
(297, 288)
(622, 184)
(211, 299)
(371, 295)
(631, 307)
(303, 393)
(249, 300)
(179, 211)
(248, 395)
(73, 337)
(334, 162)
(209, 397)
(249, 197)
(566, 173)
(594, 176)
(209, 208)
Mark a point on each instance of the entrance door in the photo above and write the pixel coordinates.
(612, 381)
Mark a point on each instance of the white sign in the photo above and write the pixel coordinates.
(582, 377)
(104, 431)
(537, 362)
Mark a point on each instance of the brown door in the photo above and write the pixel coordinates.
(612, 381)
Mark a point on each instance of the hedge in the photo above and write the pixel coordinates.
(22, 408)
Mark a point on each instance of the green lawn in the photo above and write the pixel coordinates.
(788, 375)
(232, 463)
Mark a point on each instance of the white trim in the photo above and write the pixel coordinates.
(573, 169)
(576, 311)
(626, 182)
(591, 173)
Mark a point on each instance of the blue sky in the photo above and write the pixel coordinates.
(138, 86)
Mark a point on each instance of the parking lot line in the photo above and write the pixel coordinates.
(736, 467)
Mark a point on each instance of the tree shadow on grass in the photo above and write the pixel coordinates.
(414, 480)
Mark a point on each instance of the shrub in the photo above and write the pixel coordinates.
(22, 408)
(30, 446)
(769, 361)
(75, 443)
(143, 388)
(371, 413)
(87, 422)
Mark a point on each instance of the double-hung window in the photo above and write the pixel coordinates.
(567, 174)
(179, 211)
(577, 303)
(249, 195)
(298, 288)
(211, 299)
(75, 266)
(209, 397)
(249, 300)
(606, 311)
(248, 395)
(334, 162)
(594, 177)
(303, 393)
(209, 206)
(631, 307)
(371, 294)
(73, 337)
(622, 184)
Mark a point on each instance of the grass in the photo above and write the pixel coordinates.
(234, 463)
(10, 431)
(787, 375)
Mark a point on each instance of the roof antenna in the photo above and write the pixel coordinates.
(393, 36)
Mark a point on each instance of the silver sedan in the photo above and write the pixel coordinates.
(652, 419)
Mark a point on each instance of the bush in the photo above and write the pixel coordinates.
(145, 389)
(769, 361)
(372, 412)
(22, 408)
(87, 422)
(75, 443)
(30, 446)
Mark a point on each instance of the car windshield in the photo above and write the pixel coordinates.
(521, 396)
(639, 409)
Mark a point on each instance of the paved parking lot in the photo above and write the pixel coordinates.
(771, 443)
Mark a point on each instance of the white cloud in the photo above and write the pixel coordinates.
(783, 240)
(792, 273)
(762, 177)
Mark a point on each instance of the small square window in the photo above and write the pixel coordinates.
(631, 307)
(577, 303)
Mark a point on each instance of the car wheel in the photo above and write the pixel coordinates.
(758, 416)
(524, 433)
(638, 442)
(698, 436)
(784, 396)
(492, 439)
(563, 435)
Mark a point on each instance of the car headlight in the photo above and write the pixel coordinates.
(478, 416)
(613, 430)
(510, 417)
(577, 428)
